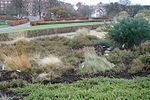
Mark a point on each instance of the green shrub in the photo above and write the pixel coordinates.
(137, 66)
(130, 32)
(121, 58)
(140, 64)
(146, 61)
(12, 84)
(145, 47)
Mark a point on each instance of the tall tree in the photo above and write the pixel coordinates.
(113, 9)
(125, 2)
(133, 9)
(84, 10)
(18, 6)
(38, 7)
(51, 5)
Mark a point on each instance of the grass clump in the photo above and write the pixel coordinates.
(50, 67)
(16, 60)
(83, 40)
(94, 63)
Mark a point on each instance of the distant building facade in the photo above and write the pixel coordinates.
(4, 4)
(29, 6)
(99, 10)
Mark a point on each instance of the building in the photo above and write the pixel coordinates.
(99, 10)
(4, 4)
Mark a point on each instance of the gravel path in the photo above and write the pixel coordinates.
(15, 27)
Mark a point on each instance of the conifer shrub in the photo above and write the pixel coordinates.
(130, 32)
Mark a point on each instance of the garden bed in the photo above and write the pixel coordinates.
(70, 77)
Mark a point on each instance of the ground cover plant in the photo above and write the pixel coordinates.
(97, 88)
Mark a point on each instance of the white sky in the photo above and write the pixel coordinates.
(93, 2)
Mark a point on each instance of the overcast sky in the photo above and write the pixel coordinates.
(93, 2)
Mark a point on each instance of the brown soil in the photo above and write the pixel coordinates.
(69, 77)
(9, 75)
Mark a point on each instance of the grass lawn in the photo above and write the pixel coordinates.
(3, 26)
(48, 26)
(91, 89)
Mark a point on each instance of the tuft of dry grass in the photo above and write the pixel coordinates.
(50, 60)
(82, 31)
(16, 60)
(21, 40)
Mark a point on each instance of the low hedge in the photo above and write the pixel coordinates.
(60, 19)
(34, 23)
(18, 22)
(42, 32)
(9, 18)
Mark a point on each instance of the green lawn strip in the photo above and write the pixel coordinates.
(91, 89)
(49, 26)
(4, 26)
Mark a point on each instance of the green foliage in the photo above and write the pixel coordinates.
(118, 56)
(95, 89)
(12, 84)
(144, 48)
(140, 64)
(113, 9)
(137, 66)
(132, 61)
(130, 32)
(122, 58)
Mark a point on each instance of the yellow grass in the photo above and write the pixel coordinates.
(16, 61)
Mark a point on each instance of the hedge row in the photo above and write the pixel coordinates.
(66, 19)
(8, 18)
(60, 19)
(18, 22)
(34, 23)
(42, 32)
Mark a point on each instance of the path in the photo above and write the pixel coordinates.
(15, 27)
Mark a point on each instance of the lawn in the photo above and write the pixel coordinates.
(48, 26)
(91, 89)
(4, 26)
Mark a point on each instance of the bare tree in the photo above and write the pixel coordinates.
(19, 7)
(84, 10)
(51, 5)
(125, 2)
(38, 7)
